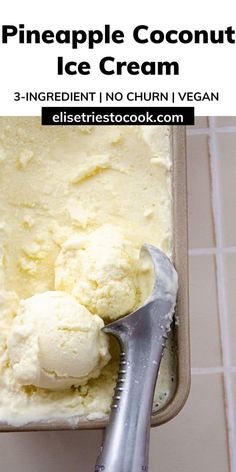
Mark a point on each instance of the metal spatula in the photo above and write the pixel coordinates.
(142, 335)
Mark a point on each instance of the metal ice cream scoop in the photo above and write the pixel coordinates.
(142, 336)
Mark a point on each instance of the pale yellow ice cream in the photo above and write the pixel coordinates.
(104, 272)
(55, 342)
(59, 185)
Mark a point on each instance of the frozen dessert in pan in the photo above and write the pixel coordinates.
(77, 204)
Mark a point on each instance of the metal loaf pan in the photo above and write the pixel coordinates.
(180, 246)
(177, 362)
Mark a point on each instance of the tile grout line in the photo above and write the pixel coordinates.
(201, 251)
(206, 131)
(223, 315)
(207, 370)
(212, 370)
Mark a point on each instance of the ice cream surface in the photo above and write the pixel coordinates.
(77, 203)
(104, 272)
(55, 342)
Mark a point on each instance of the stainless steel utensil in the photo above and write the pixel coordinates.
(142, 335)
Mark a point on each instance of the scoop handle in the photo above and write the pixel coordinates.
(126, 443)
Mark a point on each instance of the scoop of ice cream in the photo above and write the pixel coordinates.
(55, 342)
(102, 270)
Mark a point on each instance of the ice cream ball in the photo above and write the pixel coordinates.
(55, 342)
(104, 272)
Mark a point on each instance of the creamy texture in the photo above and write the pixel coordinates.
(59, 186)
(104, 272)
(56, 343)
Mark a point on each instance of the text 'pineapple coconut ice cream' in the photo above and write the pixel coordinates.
(77, 204)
